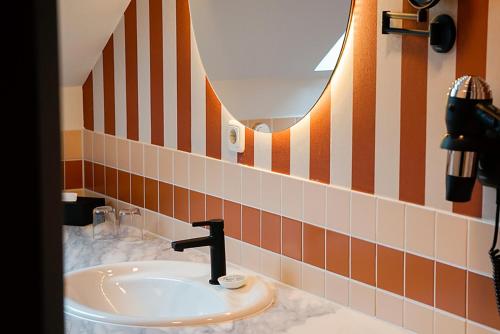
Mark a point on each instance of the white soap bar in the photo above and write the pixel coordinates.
(232, 281)
(69, 197)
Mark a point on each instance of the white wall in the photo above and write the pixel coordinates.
(71, 108)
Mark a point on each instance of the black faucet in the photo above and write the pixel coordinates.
(217, 249)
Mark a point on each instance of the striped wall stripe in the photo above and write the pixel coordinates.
(388, 104)
(262, 150)
(247, 157)
(120, 80)
(156, 67)
(88, 103)
(341, 118)
(213, 122)
(198, 100)
(471, 59)
(108, 64)
(440, 75)
(280, 159)
(413, 113)
(183, 35)
(364, 91)
(98, 95)
(299, 148)
(143, 71)
(170, 72)
(131, 71)
(319, 142)
(150, 85)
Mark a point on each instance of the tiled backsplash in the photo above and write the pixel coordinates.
(407, 264)
(72, 163)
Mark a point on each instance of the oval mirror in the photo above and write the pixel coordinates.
(268, 61)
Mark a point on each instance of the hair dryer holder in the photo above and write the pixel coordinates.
(441, 33)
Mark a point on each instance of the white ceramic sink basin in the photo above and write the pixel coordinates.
(159, 294)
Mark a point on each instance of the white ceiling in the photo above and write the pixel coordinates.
(84, 28)
(242, 39)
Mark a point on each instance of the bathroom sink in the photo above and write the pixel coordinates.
(159, 294)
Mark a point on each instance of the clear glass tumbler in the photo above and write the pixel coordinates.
(104, 223)
(130, 224)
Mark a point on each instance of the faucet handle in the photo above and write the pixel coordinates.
(212, 223)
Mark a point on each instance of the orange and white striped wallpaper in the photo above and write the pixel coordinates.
(376, 130)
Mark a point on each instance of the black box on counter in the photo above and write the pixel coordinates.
(79, 213)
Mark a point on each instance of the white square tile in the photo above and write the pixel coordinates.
(151, 161)
(110, 151)
(418, 318)
(232, 182)
(233, 250)
(197, 173)
(123, 154)
(182, 230)
(313, 280)
(151, 221)
(250, 257)
(250, 191)
(389, 308)
(420, 230)
(448, 324)
(390, 223)
(181, 169)
(271, 192)
(270, 264)
(314, 203)
(363, 208)
(338, 209)
(166, 165)
(98, 148)
(136, 158)
(291, 272)
(362, 298)
(214, 180)
(166, 227)
(292, 197)
(88, 139)
(451, 239)
(473, 328)
(337, 288)
(480, 239)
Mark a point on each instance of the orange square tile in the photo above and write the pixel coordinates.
(213, 207)
(232, 219)
(337, 253)
(166, 195)
(111, 182)
(72, 145)
(450, 289)
(88, 175)
(481, 302)
(99, 178)
(291, 236)
(62, 174)
(314, 245)
(73, 177)
(137, 190)
(196, 206)
(181, 204)
(124, 186)
(271, 232)
(250, 224)
(419, 279)
(151, 194)
(390, 263)
(363, 261)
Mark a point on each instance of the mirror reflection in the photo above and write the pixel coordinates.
(269, 60)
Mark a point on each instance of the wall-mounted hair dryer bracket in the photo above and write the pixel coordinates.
(441, 33)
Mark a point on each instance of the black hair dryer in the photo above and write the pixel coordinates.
(473, 144)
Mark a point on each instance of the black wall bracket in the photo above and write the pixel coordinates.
(441, 33)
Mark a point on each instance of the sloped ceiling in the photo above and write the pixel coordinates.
(84, 28)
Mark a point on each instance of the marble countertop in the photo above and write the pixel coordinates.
(294, 311)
